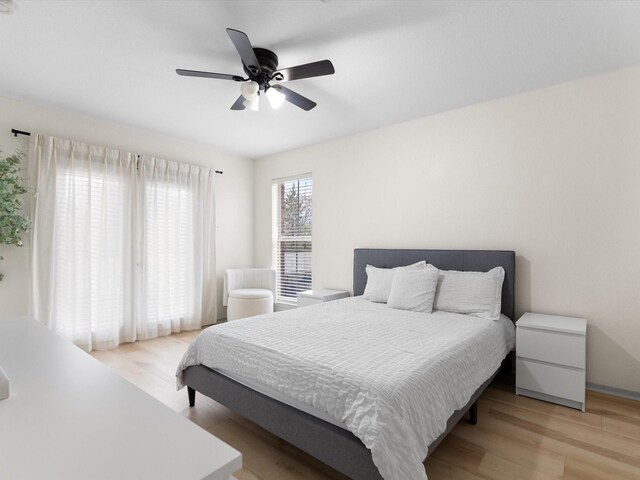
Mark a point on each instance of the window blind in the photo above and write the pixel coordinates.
(292, 240)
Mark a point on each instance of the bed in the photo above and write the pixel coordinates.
(302, 425)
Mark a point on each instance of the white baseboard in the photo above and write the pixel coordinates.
(616, 392)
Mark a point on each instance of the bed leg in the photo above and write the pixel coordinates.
(192, 396)
(473, 413)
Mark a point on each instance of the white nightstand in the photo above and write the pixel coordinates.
(551, 358)
(310, 297)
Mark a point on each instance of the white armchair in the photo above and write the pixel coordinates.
(248, 292)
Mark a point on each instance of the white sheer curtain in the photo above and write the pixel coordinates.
(122, 246)
(177, 281)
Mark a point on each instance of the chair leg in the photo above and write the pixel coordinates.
(192, 396)
(473, 413)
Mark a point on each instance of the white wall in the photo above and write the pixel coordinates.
(553, 174)
(234, 189)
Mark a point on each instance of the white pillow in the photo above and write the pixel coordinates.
(414, 289)
(379, 281)
(474, 293)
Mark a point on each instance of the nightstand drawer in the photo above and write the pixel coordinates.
(551, 379)
(552, 347)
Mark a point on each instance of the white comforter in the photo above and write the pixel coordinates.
(392, 377)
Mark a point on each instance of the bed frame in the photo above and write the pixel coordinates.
(336, 447)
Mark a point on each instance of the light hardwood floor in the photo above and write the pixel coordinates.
(515, 438)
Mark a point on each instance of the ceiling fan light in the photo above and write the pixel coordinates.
(276, 98)
(254, 104)
(249, 90)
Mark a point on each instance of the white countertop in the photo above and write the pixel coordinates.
(70, 417)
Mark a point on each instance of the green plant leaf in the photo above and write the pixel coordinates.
(13, 222)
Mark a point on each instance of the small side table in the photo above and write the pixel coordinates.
(311, 297)
(551, 358)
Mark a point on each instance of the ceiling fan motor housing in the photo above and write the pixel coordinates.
(268, 61)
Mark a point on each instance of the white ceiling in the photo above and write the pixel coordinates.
(394, 60)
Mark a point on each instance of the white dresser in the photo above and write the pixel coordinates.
(310, 297)
(551, 358)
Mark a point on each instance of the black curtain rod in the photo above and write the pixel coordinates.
(28, 134)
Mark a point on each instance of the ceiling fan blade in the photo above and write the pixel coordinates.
(239, 104)
(243, 45)
(295, 98)
(315, 69)
(221, 76)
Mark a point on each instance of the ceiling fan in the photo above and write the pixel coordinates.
(261, 67)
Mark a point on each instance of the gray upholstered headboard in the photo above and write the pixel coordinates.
(464, 260)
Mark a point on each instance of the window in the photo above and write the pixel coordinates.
(291, 246)
(103, 274)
